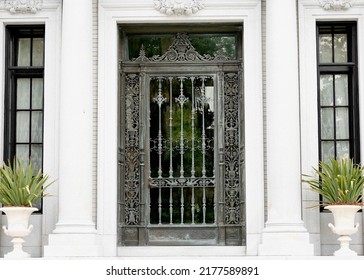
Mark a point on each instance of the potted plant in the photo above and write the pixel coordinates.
(21, 186)
(340, 182)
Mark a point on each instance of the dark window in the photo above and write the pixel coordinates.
(338, 90)
(205, 44)
(24, 93)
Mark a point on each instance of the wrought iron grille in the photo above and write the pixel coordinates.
(181, 149)
(182, 175)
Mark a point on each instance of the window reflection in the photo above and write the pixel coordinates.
(204, 44)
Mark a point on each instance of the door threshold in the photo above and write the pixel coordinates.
(181, 251)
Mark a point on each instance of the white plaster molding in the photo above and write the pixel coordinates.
(23, 6)
(112, 13)
(179, 7)
(336, 5)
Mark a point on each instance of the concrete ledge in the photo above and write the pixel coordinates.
(182, 251)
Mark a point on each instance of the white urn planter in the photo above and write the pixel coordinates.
(344, 219)
(17, 228)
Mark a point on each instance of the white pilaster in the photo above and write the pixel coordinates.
(284, 232)
(75, 233)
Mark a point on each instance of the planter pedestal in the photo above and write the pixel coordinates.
(17, 228)
(344, 219)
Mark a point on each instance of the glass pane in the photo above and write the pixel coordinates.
(23, 52)
(327, 150)
(343, 149)
(341, 90)
(23, 93)
(325, 48)
(36, 156)
(326, 90)
(327, 123)
(342, 123)
(38, 51)
(214, 45)
(22, 151)
(210, 44)
(182, 149)
(340, 48)
(182, 127)
(37, 127)
(37, 93)
(22, 127)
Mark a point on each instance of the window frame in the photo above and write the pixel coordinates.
(351, 69)
(12, 73)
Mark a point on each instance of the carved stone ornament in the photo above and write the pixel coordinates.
(336, 5)
(178, 7)
(23, 6)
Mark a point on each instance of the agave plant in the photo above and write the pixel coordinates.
(21, 185)
(338, 181)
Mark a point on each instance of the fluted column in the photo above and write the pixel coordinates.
(75, 231)
(284, 232)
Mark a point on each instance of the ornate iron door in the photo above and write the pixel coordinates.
(181, 149)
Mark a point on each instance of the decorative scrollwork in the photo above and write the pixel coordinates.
(23, 6)
(180, 50)
(335, 4)
(179, 7)
(132, 151)
(231, 114)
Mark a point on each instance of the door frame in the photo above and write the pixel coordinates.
(111, 14)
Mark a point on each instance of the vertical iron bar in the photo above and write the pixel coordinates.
(182, 99)
(170, 205)
(193, 129)
(193, 204)
(203, 102)
(204, 202)
(182, 206)
(193, 149)
(170, 128)
(160, 99)
(159, 204)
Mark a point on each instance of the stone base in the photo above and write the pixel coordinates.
(72, 245)
(285, 241)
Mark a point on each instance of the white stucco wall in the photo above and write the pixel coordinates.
(107, 14)
(50, 16)
(309, 13)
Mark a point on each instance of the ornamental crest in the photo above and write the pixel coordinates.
(180, 50)
(23, 6)
(179, 7)
(336, 5)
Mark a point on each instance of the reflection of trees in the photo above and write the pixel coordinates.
(188, 154)
(152, 45)
(204, 44)
(214, 45)
(336, 44)
(188, 140)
